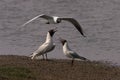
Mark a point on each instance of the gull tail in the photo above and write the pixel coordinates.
(84, 59)
(31, 55)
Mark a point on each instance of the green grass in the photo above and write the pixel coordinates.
(12, 72)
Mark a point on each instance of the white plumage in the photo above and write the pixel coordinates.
(69, 53)
(46, 47)
(55, 20)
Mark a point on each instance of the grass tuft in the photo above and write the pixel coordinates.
(13, 72)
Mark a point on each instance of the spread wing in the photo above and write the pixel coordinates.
(75, 23)
(39, 16)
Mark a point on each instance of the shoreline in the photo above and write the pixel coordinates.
(14, 67)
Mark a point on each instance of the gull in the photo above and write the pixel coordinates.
(56, 20)
(46, 47)
(70, 53)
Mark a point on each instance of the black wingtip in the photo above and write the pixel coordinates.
(81, 31)
(84, 36)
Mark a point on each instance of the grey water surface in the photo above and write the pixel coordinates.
(100, 20)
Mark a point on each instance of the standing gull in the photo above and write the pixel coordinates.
(46, 47)
(55, 20)
(69, 53)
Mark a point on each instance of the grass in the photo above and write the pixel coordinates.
(12, 73)
(23, 68)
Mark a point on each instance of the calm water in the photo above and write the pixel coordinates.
(100, 20)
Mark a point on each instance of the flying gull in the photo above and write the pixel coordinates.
(55, 20)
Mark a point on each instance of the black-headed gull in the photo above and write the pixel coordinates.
(46, 47)
(69, 53)
(56, 19)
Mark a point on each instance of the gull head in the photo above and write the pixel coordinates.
(52, 31)
(63, 41)
(56, 19)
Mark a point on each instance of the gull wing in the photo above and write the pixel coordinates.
(42, 16)
(44, 48)
(75, 55)
(75, 23)
(52, 48)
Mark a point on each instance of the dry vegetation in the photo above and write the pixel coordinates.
(23, 68)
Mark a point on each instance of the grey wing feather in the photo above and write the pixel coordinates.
(42, 16)
(51, 48)
(75, 55)
(82, 58)
(46, 17)
(44, 49)
(75, 23)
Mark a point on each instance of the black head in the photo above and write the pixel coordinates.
(63, 41)
(52, 31)
(58, 20)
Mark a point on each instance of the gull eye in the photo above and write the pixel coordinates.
(58, 21)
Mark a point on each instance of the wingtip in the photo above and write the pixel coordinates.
(84, 36)
(22, 25)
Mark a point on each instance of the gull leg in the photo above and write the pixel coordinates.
(72, 61)
(46, 56)
(43, 57)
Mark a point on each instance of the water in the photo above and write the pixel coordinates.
(99, 18)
